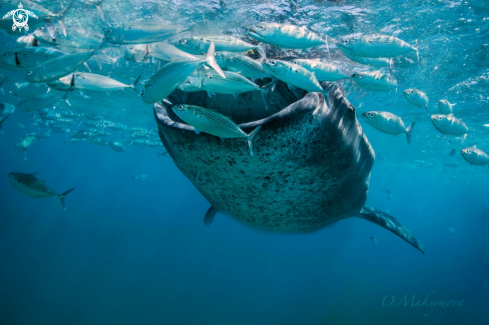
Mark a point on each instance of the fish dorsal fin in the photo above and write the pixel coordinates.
(33, 174)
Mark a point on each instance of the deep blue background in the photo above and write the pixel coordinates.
(138, 252)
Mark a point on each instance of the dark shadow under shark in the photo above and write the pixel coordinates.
(311, 166)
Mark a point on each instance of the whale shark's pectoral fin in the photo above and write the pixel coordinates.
(209, 216)
(390, 223)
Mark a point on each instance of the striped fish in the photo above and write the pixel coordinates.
(241, 64)
(293, 74)
(91, 82)
(375, 80)
(171, 75)
(200, 44)
(212, 122)
(416, 97)
(58, 67)
(135, 34)
(286, 36)
(449, 125)
(29, 185)
(375, 46)
(388, 123)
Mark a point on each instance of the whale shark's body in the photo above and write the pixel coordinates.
(311, 166)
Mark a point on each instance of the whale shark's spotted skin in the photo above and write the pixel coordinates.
(311, 166)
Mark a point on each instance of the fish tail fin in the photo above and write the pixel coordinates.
(408, 132)
(62, 197)
(250, 138)
(100, 11)
(209, 216)
(133, 85)
(391, 63)
(265, 89)
(417, 51)
(61, 17)
(327, 47)
(263, 54)
(210, 60)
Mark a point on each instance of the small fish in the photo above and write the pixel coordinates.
(66, 121)
(99, 142)
(116, 126)
(375, 80)
(5, 111)
(172, 74)
(322, 71)
(452, 152)
(374, 241)
(449, 125)
(375, 46)
(39, 102)
(20, 125)
(154, 143)
(117, 146)
(90, 82)
(286, 36)
(48, 35)
(241, 64)
(389, 194)
(141, 177)
(25, 143)
(416, 97)
(30, 56)
(200, 44)
(376, 62)
(82, 135)
(445, 106)
(388, 123)
(138, 142)
(293, 74)
(136, 34)
(475, 156)
(163, 154)
(212, 122)
(58, 67)
(39, 135)
(29, 185)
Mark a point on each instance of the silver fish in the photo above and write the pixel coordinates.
(375, 46)
(416, 97)
(211, 122)
(200, 44)
(445, 106)
(322, 71)
(25, 143)
(475, 156)
(91, 82)
(171, 75)
(241, 64)
(117, 146)
(99, 142)
(29, 185)
(292, 74)
(5, 111)
(58, 67)
(30, 56)
(48, 35)
(81, 134)
(167, 52)
(41, 101)
(134, 34)
(375, 80)
(449, 125)
(286, 36)
(388, 123)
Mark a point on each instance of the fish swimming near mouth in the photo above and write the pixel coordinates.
(311, 165)
(475, 156)
(388, 123)
(30, 185)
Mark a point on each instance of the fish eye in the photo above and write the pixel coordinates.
(346, 41)
(372, 115)
(440, 118)
(260, 27)
(411, 92)
(109, 31)
(29, 73)
(183, 41)
(360, 75)
(469, 151)
(180, 107)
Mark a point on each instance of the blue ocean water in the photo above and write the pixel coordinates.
(137, 252)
